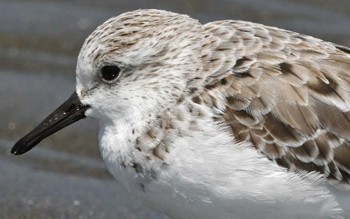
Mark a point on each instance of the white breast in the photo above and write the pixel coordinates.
(210, 176)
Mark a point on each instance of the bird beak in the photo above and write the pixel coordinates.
(69, 112)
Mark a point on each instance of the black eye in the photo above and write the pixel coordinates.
(110, 72)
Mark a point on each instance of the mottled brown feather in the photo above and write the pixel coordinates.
(287, 94)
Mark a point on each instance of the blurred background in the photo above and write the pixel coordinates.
(64, 177)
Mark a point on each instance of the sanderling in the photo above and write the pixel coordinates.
(229, 119)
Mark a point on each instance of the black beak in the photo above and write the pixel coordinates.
(69, 112)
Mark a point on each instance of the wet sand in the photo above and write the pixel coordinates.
(64, 177)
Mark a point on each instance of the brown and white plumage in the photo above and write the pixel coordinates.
(287, 93)
(200, 121)
(222, 88)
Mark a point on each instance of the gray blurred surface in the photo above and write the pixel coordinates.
(64, 177)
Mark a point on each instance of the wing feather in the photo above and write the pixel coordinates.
(286, 93)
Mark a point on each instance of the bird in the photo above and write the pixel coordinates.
(228, 119)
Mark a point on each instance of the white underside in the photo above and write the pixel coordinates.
(210, 176)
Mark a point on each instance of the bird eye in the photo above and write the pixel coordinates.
(110, 72)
